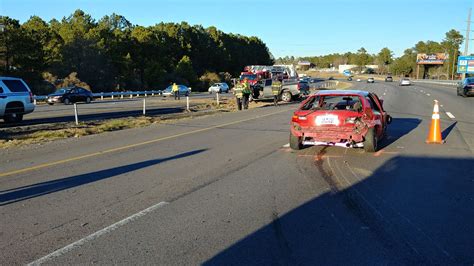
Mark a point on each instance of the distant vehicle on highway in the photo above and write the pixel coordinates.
(70, 95)
(345, 118)
(331, 78)
(183, 91)
(359, 80)
(370, 80)
(405, 82)
(219, 87)
(389, 79)
(16, 99)
(466, 87)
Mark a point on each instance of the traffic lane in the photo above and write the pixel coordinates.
(55, 151)
(242, 219)
(456, 112)
(319, 205)
(53, 206)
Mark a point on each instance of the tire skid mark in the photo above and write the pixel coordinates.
(399, 214)
(372, 217)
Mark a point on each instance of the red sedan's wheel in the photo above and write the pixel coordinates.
(370, 143)
(295, 142)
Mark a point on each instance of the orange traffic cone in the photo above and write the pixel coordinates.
(434, 136)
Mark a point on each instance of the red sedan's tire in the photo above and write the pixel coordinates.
(370, 142)
(295, 142)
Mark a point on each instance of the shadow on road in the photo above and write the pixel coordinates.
(448, 130)
(39, 189)
(410, 211)
(399, 128)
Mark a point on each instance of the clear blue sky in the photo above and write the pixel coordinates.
(298, 27)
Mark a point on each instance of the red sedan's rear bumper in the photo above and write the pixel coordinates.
(329, 134)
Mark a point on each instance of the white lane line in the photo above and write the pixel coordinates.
(450, 115)
(286, 145)
(97, 234)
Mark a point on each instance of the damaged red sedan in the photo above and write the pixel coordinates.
(345, 118)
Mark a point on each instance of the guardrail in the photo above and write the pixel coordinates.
(440, 82)
(326, 84)
(112, 95)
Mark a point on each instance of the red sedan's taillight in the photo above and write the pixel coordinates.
(31, 97)
(294, 118)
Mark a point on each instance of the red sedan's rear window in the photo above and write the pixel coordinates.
(334, 102)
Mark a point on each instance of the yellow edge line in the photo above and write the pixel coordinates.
(40, 166)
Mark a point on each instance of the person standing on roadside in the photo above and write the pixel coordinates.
(246, 91)
(276, 87)
(175, 90)
(238, 95)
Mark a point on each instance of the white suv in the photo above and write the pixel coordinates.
(219, 87)
(16, 99)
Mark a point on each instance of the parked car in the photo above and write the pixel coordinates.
(183, 91)
(466, 87)
(345, 118)
(16, 99)
(70, 95)
(370, 80)
(389, 79)
(404, 82)
(219, 87)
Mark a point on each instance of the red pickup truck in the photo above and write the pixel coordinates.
(345, 118)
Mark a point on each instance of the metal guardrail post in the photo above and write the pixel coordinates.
(101, 96)
(217, 98)
(112, 95)
(187, 103)
(75, 114)
(146, 94)
(121, 95)
(144, 106)
(131, 95)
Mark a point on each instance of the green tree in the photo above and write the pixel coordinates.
(385, 58)
(451, 43)
(362, 58)
(184, 71)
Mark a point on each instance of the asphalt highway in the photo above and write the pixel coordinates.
(226, 189)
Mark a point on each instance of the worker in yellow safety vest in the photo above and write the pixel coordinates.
(175, 90)
(276, 87)
(238, 95)
(246, 91)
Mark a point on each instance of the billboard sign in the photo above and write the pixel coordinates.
(431, 59)
(466, 65)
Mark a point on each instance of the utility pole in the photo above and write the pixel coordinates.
(466, 43)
